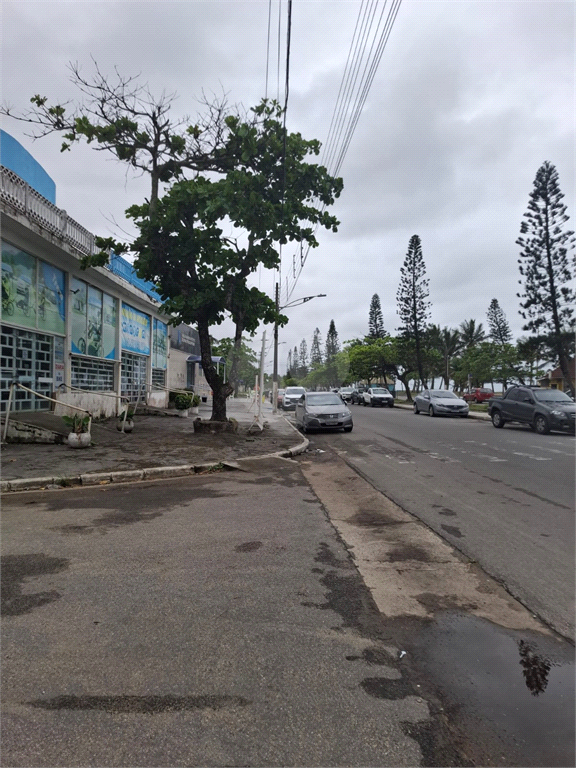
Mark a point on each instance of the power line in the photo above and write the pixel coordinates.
(351, 100)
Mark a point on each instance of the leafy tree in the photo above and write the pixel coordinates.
(413, 306)
(375, 319)
(258, 186)
(405, 362)
(316, 357)
(303, 358)
(247, 364)
(547, 263)
(499, 329)
(371, 359)
(471, 334)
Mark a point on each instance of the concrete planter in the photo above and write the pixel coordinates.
(183, 414)
(128, 426)
(79, 440)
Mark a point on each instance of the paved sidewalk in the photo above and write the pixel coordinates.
(158, 447)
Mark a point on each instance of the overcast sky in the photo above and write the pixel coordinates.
(469, 99)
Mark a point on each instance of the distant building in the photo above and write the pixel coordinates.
(555, 379)
(82, 335)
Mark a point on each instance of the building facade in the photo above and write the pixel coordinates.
(87, 337)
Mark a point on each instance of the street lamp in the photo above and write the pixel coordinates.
(294, 303)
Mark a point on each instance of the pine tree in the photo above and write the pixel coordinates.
(316, 357)
(375, 319)
(500, 332)
(413, 307)
(332, 349)
(295, 363)
(547, 266)
(332, 343)
(303, 357)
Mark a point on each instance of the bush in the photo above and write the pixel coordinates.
(183, 402)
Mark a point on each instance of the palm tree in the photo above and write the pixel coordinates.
(471, 334)
(450, 345)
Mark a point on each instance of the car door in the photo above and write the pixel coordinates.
(424, 403)
(524, 405)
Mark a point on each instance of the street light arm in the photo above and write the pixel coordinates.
(296, 302)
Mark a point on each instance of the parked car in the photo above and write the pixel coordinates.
(356, 396)
(322, 410)
(280, 398)
(346, 394)
(374, 396)
(478, 395)
(440, 402)
(542, 409)
(291, 397)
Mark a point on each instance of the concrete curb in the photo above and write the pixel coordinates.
(155, 473)
(91, 479)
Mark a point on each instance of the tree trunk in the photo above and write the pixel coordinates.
(220, 391)
(404, 380)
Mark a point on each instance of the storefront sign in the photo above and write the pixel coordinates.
(160, 345)
(135, 330)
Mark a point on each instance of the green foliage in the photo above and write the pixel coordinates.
(412, 298)
(195, 401)
(182, 402)
(471, 334)
(77, 423)
(547, 264)
(375, 319)
(499, 328)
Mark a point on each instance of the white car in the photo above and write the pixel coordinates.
(381, 396)
(291, 397)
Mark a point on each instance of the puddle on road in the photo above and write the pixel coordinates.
(520, 685)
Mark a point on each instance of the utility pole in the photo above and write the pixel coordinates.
(275, 369)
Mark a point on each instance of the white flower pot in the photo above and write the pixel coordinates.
(82, 440)
(194, 409)
(183, 414)
(128, 426)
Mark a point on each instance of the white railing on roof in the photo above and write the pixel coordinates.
(21, 196)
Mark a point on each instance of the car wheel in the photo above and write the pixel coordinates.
(391, 405)
(497, 420)
(431, 411)
(416, 409)
(347, 429)
(541, 425)
(464, 415)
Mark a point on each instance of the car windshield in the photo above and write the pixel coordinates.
(443, 393)
(295, 391)
(379, 391)
(323, 398)
(551, 396)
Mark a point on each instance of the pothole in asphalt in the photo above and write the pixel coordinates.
(518, 684)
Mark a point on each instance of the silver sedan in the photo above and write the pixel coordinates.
(322, 410)
(440, 402)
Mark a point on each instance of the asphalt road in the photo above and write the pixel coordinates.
(504, 497)
(204, 621)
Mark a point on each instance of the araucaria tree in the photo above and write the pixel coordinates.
(375, 319)
(332, 349)
(498, 326)
(316, 357)
(413, 305)
(547, 265)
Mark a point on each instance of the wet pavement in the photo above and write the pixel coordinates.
(156, 441)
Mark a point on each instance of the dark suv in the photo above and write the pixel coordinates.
(542, 409)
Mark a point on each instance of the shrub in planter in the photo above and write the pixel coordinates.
(183, 403)
(79, 436)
